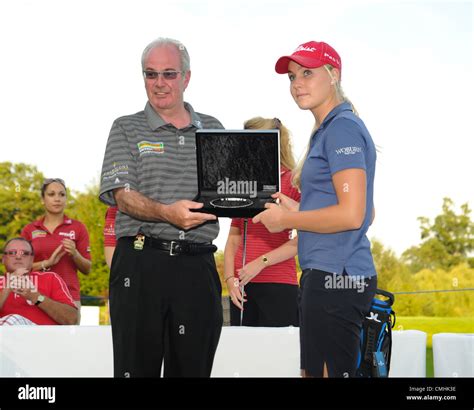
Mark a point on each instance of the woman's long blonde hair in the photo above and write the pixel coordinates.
(287, 158)
(296, 180)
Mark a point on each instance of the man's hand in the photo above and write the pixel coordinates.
(26, 288)
(16, 279)
(179, 214)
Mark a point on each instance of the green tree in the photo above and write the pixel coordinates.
(20, 186)
(447, 242)
(387, 264)
(219, 258)
(441, 303)
(20, 199)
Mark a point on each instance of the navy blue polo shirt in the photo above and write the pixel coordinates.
(341, 142)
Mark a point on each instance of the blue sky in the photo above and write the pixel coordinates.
(70, 68)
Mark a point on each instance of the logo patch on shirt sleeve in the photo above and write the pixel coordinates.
(348, 150)
(117, 169)
(149, 147)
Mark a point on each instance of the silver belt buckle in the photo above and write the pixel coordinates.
(171, 248)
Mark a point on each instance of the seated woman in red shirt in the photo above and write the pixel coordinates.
(269, 275)
(60, 244)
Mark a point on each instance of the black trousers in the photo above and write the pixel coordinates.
(163, 308)
(332, 308)
(268, 305)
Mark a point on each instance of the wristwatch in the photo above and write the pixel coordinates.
(39, 300)
(265, 260)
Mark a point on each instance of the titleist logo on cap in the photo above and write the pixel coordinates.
(327, 55)
(304, 48)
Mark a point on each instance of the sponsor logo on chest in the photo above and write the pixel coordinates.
(150, 148)
(38, 233)
(70, 234)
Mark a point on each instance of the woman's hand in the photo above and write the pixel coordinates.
(271, 218)
(286, 202)
(70, 247)
(82, 263)
(58, 253)
(249, 271)
(234, 292)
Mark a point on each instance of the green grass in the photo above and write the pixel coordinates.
(433, 325)
(429, 362)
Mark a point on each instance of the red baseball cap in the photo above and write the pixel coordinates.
(311, 55)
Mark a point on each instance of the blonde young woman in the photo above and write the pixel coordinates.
(336, 179)
(269, 276)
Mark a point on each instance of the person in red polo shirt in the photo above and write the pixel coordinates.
(28, 297)
(109, 234)
(61, 244)
(269, 275)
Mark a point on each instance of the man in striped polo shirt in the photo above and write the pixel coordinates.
(165, 292)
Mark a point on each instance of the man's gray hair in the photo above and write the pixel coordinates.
(164, 41)
(18, 238)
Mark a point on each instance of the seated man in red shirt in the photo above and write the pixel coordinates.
(26, 297)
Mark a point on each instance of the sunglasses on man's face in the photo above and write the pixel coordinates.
(14, 252)
(167, 75)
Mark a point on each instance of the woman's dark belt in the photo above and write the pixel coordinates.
(172, 247)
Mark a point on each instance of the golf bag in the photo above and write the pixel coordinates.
(376, 337)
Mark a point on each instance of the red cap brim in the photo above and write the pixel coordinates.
(281, 66)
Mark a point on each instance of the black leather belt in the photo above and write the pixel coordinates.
(172, 247)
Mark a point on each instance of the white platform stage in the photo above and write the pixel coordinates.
(453, 354)
(86, 351)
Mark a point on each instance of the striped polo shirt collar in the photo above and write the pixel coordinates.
(155, 121)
